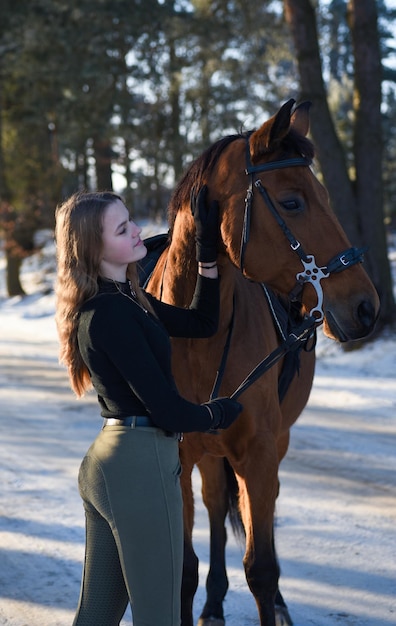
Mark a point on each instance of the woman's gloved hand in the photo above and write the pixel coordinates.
(206, 218)
(224, 412)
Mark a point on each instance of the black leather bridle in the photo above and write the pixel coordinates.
(312, 273)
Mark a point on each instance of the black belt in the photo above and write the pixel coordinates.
(137, 421)
(134, 421)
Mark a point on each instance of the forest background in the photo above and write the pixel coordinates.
(124, 94)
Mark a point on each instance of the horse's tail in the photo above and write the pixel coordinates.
(234, 513)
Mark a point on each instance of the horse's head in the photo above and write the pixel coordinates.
(277, 224)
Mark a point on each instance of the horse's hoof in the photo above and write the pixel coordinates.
(282, 617)
(210, 621)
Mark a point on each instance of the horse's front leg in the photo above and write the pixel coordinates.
(282, 615)
(258, 487)
(215, 497)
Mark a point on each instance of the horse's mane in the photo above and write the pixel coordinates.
(194, 177)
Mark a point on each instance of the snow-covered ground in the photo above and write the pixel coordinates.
(336, 514)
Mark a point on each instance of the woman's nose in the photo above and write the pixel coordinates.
(136, 230)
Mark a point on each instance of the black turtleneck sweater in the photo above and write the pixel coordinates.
(128, 352)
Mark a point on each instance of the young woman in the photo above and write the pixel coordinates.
(115, 337)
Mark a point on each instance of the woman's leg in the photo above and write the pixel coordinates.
(143, 486)
(103, 597)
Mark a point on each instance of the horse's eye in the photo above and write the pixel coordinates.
(291, 205)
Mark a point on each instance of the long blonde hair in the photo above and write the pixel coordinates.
(78, 235)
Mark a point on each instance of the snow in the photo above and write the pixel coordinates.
(336, 512)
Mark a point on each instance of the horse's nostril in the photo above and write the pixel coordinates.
(366, 314)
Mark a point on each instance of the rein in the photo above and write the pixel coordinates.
(299, 336)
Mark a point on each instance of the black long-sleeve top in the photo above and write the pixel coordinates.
(127, 351)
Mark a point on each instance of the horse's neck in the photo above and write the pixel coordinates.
(228, 280)
(179, 279)
(175, 276)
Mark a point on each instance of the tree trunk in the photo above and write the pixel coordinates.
(14, 286)
(128, 192)
(301, 17)
(174, 99)
(4, 192)
(368, 147)
(13, 264)
(103, 157)
(362, 219)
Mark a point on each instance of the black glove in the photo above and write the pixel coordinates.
(206, 220)
(224, 412)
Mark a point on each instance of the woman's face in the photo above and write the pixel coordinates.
(121, 242)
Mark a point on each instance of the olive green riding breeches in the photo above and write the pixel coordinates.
(129, 481)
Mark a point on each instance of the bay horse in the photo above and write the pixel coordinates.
(272, 210)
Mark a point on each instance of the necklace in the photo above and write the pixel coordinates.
(132, 296)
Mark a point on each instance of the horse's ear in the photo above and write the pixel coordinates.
(300, 118)
(271, 132)
(281, 122)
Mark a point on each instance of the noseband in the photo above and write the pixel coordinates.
(311, 273)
